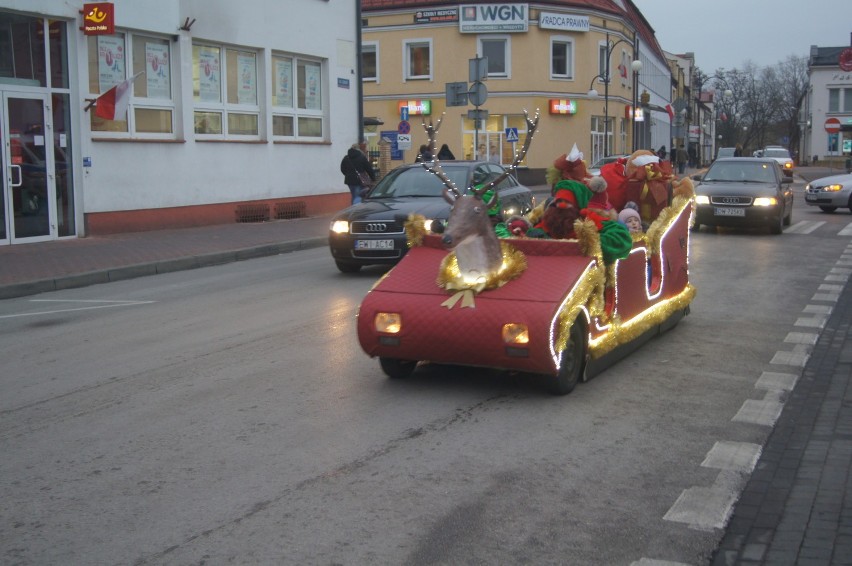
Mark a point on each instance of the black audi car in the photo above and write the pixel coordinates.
(744, 192)
(372, 231)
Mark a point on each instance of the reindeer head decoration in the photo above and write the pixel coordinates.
(469, 231)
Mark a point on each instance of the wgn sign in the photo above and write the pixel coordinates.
(502, 18)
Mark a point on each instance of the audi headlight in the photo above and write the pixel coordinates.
(832, 188)
(340, 226)
(702, 199)
(765, 201)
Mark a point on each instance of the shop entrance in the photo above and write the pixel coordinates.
(29, 189)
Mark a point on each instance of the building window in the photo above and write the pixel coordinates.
(418, 59)
(370, 62)
(834, 100)
(297, 97)
(561, 58)
(497, 50)
(603, 53)
(114, 58)
(847, 99)
(224, 86)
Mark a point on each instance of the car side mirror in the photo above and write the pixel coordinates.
(697, 177)
(786, 180)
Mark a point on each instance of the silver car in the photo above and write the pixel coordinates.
(830, 193)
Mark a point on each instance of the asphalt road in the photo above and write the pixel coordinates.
(228, 415)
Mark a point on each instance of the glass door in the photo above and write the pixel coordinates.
(28, 168)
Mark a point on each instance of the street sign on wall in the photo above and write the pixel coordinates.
(832, 125)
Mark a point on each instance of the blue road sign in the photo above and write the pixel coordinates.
(403, 114)
(512, 135)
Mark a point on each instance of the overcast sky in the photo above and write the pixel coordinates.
(726, 33)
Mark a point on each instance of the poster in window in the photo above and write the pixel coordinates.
(284, 83)
(312, 87)
(247, 88)
(110, 61)
(157, 70)
(209, 74)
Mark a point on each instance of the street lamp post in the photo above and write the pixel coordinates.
(635, 66)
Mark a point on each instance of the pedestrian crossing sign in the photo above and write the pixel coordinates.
(512, 135)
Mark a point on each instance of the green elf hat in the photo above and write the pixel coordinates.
(581, 192)
(495, 207)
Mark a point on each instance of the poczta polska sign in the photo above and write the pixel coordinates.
(98, 18)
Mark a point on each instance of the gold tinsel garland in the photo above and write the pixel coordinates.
(513, 265)
(415, 229)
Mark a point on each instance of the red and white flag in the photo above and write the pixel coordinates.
(670, 110)
(112, 105)
(724, 117)
(622, 70)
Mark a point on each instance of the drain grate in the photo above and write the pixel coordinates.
(252, 212)
(290, 209)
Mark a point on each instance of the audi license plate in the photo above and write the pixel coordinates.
(726, 211)
(373, 244)
(809, 196)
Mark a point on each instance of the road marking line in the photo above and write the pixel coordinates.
(112, 304)
(802, 338)
(760, 412)
(703, 508)
(846, 231)
(734, 456)
(777, 381)
(830, 297)
(818, 309)
(811, 322)
(797, 359)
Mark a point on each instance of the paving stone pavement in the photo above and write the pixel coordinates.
(797, 505)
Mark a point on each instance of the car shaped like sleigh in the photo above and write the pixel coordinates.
(562, 312)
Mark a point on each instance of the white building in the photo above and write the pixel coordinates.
(827, 102)
(249, 102)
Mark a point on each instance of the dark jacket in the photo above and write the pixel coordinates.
(353, 162)
(445, 154)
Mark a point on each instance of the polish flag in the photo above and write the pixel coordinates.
(112, 105)
(670, 110)
(622, 70)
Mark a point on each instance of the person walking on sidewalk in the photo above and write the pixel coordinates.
(358, 174)
(682, 158)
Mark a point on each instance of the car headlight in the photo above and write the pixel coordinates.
(765, 201)
(428, 224)
(340, 226)
(388, 322)
(832, 188)
(516, 333)
(788, 165)
(702, 199)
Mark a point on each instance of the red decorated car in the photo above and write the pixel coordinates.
(552, 307)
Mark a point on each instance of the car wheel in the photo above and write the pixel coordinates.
(828, 208)
(776, 225)
(696, 227)
(345, 267)
(397, 369)
(571, 362)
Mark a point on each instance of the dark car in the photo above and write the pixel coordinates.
(745, 192)
(595, 169)
(372, 231)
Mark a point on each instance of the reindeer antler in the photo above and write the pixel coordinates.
(451, 192)
(532, 126)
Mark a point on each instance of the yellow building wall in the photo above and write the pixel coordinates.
(529, 87)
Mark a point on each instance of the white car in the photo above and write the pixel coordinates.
(782, 156)
(830, 193)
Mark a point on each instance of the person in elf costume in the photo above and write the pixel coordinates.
(571, 203)
(495, 214)
(571, 165)
(641, 178)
